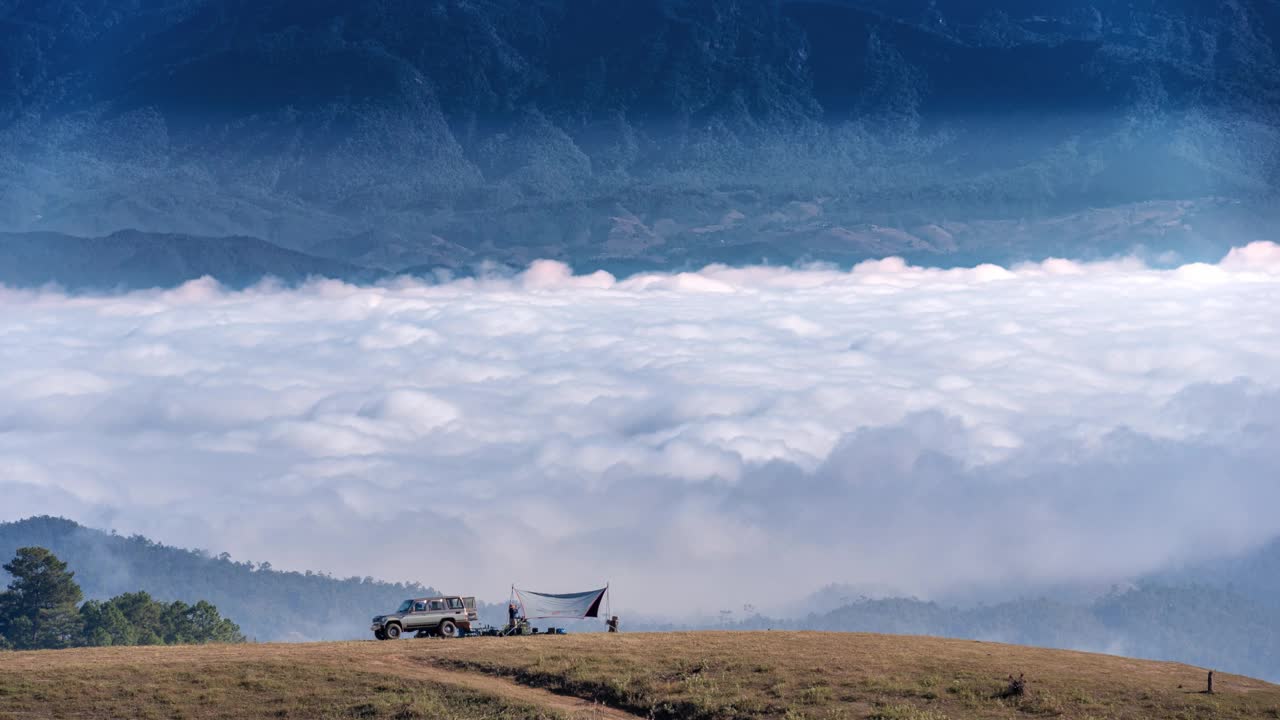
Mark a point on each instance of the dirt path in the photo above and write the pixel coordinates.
(572, 707)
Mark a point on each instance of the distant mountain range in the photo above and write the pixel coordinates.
(130, 259)
(1203, 624)
(399, 134)
(1223, 614)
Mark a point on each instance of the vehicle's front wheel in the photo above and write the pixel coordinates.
(379, 635)
(448, 629)
(392, 632)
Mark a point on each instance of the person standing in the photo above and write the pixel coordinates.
(613, 624)
(511, 615)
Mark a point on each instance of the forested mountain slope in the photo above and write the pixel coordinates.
(267, 604)
(655, 133)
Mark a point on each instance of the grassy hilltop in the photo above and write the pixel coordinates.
(709, 676)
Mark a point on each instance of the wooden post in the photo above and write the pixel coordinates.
(1210, 690)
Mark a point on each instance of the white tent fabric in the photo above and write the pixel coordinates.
(568, 606)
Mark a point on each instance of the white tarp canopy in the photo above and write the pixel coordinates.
(568, 606)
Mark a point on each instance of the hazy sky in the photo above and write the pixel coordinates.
(699, 440)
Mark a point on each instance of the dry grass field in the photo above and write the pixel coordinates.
(711, 676)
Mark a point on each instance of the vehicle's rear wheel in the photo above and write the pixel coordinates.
(447, 629)
(379, 634)
(392, 632)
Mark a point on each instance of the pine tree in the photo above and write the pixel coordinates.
(104, 625)
(39, 608)
(59, 627)
(145, 615)
(208, 626)
(39, 611)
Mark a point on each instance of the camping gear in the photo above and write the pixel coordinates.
(579, 605)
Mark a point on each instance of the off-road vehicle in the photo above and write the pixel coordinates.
(445, 616)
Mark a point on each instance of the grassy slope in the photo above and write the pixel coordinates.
(233, 682)
(813, 675)
(695, 675)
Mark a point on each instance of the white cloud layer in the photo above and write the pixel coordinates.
(732, 435)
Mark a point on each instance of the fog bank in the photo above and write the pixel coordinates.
(736, 435)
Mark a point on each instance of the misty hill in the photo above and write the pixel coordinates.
(131, 259)
(1197, 623)
(655, 133)
(1255, 575)
(267, 604)
(1222, 614)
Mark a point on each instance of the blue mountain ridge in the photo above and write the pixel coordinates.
(654, 134)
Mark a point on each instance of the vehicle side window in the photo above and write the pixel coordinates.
(437, 605)
(419, 606)
(455, 604)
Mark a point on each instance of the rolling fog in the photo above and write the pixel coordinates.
(730, 435)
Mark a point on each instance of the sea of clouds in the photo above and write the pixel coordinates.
(697, 440)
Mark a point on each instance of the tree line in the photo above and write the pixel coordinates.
(269, 604)
(42, 609)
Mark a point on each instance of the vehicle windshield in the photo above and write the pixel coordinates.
(404, 606)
